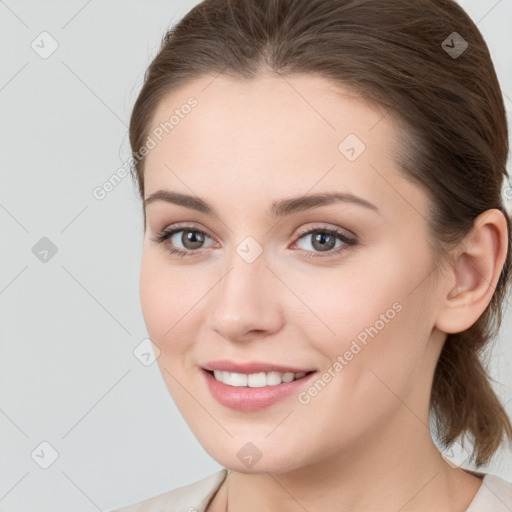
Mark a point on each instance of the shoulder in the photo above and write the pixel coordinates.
(193, 497)
(494, 495)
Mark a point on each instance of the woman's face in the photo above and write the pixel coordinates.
(256, 285)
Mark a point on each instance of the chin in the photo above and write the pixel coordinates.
(260, 456)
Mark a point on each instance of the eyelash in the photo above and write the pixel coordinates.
(348, 241)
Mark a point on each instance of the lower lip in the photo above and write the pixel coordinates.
(245, 398)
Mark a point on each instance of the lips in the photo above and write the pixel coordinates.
(252, 367)
(247, 398)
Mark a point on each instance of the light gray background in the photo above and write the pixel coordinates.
(68, 327)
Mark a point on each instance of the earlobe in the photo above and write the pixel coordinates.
(474, 273)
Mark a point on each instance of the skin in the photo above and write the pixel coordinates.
(363, 442)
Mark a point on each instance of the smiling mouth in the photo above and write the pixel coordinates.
(256, 380)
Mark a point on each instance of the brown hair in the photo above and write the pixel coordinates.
(455, 137)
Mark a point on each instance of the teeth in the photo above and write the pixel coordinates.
(255, 380)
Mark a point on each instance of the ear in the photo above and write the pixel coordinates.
(474, 273)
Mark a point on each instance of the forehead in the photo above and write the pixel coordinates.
(280, 135)
(268, 115)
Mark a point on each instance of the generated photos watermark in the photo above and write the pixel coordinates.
(357, 345)
(100, 192)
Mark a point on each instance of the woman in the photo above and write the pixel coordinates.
(326, 252)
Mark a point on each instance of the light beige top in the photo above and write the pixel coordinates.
(494, 495)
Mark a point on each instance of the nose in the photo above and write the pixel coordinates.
(245, 303)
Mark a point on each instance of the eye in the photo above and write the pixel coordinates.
(323, 240)
(190, 238)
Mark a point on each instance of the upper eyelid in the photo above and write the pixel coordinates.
(326, 227)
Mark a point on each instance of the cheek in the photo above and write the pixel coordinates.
(175, 300)
(166, 295)
(366, 370)
(154, 298)
(346, 302)
(374, 323)
(166, 304)
(377, 295)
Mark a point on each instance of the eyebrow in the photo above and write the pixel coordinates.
(280, 208)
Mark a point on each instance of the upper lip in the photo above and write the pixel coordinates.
(252, 367)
